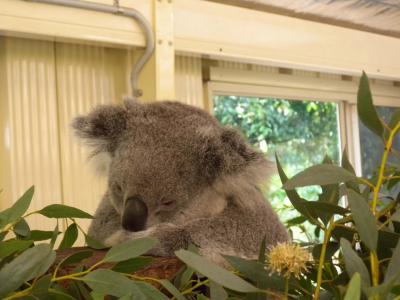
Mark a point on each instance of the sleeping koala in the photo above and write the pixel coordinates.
(176, 174)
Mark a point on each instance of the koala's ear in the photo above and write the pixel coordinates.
(102, 127)
(228, 153)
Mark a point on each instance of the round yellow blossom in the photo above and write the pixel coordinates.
(288, 259)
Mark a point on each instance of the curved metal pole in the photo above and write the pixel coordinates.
(128, 12)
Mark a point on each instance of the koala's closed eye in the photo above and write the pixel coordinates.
(168, 203)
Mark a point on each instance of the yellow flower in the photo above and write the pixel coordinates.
(288, 259)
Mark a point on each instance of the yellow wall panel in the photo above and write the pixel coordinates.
(86, 76)
(28, 105)
(188, 80)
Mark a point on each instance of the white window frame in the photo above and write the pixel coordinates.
(227, 82)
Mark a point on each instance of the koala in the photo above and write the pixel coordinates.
(174, 173)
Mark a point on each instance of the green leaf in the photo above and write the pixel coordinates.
(183, 279)
(107, 282)
(171, 288)
(364, 220)
(365, 107)
(22, 228)
(202, 297)
(59, 295)
(18, 209)
(293, 195)
(129, 249)
(393, 267)
(325, 207)
(54, 236)
(42, 285)
(150, 292)
(76, 258)
(322, 174)
(215, 273)
(132, 265)
(30, 264)
(349, 167)
(217, 291)
(70, 236)
(63, 211)
(256, 272)
(92, 243)
(354, 263)
(40, 235)
(331, 249)
(354, 289)
(11, 246)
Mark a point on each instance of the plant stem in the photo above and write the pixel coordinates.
(381, 176)
(201, 283)
(366, 182)
(327, 237)
(286, 289)
(374, 268)
(19, 294)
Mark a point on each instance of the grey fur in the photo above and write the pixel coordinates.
(167, 151)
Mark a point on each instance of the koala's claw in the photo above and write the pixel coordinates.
(116, 238)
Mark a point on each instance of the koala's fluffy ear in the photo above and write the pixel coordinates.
(228, 154)
(102, 127)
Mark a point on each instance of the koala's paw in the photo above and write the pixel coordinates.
(116, 238)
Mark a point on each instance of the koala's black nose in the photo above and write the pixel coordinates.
(135, 214)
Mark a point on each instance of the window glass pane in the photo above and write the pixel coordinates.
(300, 132)
(372, 147)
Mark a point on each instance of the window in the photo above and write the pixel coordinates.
(302, 116)
(302, 133)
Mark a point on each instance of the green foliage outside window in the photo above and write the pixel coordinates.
(302, 133)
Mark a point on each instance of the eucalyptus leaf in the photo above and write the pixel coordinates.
(75, 258)
(30, 264)
(293, 196)
(63, 211)
(393, 267)
(215, 272)
(11, 246)
(325, 207)
(42, 285)
(354, 289)
(129, 249)
(40, 235)
(256, 272)
(322, 174)
(18, 209)
(54, 236)
(132, 265)
(21, 228)
(171, 288)
(70, 237)
(107, 282)
(365, 107)
(354, 263)
(349, 167)
(184, 277)
(217, 291)
(331, 249)
(364, 220)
